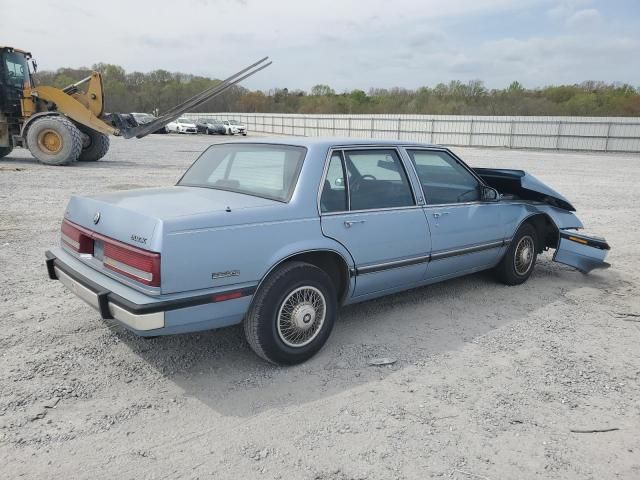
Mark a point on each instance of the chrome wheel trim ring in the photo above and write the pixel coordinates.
(301, 316)
(524, 254)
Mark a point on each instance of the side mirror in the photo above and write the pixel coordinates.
(490, 194)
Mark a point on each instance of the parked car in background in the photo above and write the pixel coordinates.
(182, 125)
(142, 118)
(210, 126)
(233, 127)
(278, 234)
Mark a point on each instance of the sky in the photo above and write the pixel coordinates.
(346, 44)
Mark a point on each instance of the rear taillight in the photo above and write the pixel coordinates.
(76, 238)
(140, 265)
(133, 262)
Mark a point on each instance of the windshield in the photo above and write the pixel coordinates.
(184, 120)
(269, 171)
(233, 122)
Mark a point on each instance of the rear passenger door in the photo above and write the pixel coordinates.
(367, 204)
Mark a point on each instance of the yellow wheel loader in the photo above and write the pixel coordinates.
(62, 126)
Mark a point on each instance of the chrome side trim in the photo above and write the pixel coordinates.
(389, 265)
(463, 251)
(372, 210)
(461, 204)
(379, 267)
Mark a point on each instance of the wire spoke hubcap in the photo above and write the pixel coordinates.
(524, 255)
(301, 316)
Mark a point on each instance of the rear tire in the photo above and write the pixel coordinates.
(95, 145)
(520, 258)
(292, 314)
(54, 140)
(4, 151)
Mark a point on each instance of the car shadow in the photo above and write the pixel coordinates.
(219, 369)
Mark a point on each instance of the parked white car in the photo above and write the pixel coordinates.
(182, 125)
(233, 127)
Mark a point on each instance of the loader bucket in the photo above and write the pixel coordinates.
(139, 131)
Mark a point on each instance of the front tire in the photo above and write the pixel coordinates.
(517, 264)
(95, 145)
(4, 151)
(292, 314)
(54, 140)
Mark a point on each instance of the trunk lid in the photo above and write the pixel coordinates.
(136, 217)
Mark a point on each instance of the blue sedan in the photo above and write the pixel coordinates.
(279, 234)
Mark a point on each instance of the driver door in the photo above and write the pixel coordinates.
(467, 233)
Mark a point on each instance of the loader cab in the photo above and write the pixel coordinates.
(14, 78)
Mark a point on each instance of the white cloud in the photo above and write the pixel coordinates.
(563, 9)
(587, 17)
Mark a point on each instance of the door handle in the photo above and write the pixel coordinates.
(349, 223)
(439, 214)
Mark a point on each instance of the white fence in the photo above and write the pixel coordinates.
(603, 134)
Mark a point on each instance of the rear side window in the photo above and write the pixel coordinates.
(334, 192)
(377, 180)
(443, 179)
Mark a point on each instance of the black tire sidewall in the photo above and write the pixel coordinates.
(71, 140)
(97, 148)
(269, 339)
(4, 151)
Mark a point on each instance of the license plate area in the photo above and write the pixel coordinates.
(98, 250)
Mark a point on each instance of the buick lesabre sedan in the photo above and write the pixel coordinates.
(278, 235)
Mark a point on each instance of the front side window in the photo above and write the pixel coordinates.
(269, 171)
(377, 180)
(444, 180)
(17, 71)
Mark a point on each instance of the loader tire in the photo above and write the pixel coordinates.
(95, 145)
(54, 140)
(4, 151)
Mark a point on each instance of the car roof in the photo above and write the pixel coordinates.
(328, 142)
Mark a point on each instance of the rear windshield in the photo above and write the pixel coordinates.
(268, 171)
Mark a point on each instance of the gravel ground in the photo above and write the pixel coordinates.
(488, 384)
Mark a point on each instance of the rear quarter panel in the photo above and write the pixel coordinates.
(250, 241)
(192, 258)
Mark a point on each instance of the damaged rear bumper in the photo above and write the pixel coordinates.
(582, 252)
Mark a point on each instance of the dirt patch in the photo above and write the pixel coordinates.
(487, 381)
